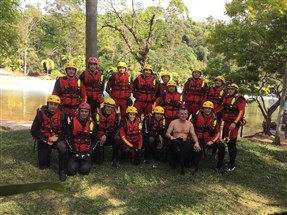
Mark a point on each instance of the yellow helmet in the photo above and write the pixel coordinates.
(208, 104)
(171, 84)
(122, 64)
(221, 78)
(148, 67)
(71, 65)
(165, 74)
(109, 102)
(196, 69)
(232, 86)
(158, 109)
(54, 99)
(131, 109)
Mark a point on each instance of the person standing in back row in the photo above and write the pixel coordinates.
(233, 117)
(145, 87)
(94, 82)
(70, 90)
(194, 91)
(119, 87)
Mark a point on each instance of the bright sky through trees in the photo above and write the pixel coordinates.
(199, 10)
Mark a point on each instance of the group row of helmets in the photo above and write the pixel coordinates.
(93, 60)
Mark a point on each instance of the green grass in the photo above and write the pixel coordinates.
(257, 186)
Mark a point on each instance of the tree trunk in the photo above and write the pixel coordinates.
(25, 61)
(280, 114)
(91, 28)
(267, 125)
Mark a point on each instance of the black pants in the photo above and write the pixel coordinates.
(217, 145)
(44, 154)
(78, 165)
(151, 150)
(94, 106)
(99, 154)
(232, 150)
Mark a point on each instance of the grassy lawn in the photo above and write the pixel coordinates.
(257, 186)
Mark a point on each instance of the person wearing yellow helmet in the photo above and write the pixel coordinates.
(119, 87)
(194, 91)
(81, 138)
(154, 128)
(48, 129)
(94, 82)
(70, 89)
(165, 77)
(216, 94)
(145, 87)
(207, 131)
(233, 114)
(107, 125)
(131, 135)
(171, 100)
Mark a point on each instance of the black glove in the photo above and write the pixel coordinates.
(136, 148)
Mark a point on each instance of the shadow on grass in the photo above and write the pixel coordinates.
(143, 189)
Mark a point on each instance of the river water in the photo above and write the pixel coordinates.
(21, 98)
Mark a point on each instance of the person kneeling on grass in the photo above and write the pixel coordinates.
(48, 130)
(207, 131)
(131, 136)
(82, 139)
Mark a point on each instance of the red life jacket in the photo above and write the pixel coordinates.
(132, 130)
(231, 110)
(50, 125)
(204, 126)
(171, 103)
(94, 84)
(121, 88)
(162, 89)
(81, 135)
(194, 91)
(154, 125)
(146, 89)
(215, 94)
(105, 123)
(70, 92)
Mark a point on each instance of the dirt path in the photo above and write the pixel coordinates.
(15, 125)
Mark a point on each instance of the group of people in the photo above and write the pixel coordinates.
(79, 122)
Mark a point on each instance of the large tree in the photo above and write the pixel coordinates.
(256, 40)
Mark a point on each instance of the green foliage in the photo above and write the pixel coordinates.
(56, 73)
(8, 32)
(147, 189)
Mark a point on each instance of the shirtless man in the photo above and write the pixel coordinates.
(182, 128)
(181, 146)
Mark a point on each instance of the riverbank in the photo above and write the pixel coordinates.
(10, 125)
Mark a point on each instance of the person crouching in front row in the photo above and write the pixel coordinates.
(48, 130)
(131, 135)
(82, 139)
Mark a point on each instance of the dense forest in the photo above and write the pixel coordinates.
(250, 49)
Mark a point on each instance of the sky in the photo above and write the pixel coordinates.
(199, 10)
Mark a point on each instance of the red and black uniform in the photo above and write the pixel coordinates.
(152, 130)
(72, 92)
(144, 90)
(131, 136)
(106, 125)
(94, 85)
(207, 129)
(161, 90)
(46, 125)
(193, 94)
(233, 112)
(119, 87)
(171, 102)
(82, 137)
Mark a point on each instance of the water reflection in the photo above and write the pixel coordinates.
(21, 105)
